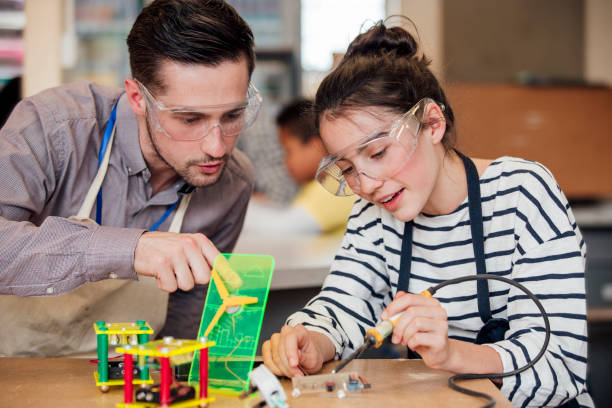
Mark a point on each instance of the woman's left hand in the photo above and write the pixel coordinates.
(423, 327)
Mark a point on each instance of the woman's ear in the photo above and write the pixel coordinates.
(434, 120)
(137, 102)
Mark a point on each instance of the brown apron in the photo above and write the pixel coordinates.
(63, 325)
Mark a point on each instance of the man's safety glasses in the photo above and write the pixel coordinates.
(378, 156)
(191, 123)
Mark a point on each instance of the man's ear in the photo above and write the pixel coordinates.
(434, 120)
(135, 97)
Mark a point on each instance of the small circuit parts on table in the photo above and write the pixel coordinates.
(341, 383)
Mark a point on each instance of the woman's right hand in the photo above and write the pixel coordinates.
(296, 351)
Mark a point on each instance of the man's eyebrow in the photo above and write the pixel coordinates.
(195, 111)
(191, 113)
(236, 108)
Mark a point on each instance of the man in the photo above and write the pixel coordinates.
(167, 162)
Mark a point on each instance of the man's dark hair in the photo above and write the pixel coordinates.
(298, 117)
(187, 31)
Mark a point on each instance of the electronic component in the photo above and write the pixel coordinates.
(342, 382)
(177, 393)
(115, 370)
(353, 384)
(181, 371)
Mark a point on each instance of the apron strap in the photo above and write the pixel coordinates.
(406, 258)
(94, 194)
(475, 210)
(90, 199)
(177, 220)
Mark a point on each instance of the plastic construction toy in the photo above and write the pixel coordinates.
(232, 317)
(110, 373)
(169, 351)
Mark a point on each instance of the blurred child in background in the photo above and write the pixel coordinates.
(313, 210)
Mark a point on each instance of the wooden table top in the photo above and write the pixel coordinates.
(69, 382)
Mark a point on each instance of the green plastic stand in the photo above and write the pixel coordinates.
(236, 333)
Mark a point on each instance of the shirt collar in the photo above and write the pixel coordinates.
(126, 137)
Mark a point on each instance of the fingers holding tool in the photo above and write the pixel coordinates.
(421, 324)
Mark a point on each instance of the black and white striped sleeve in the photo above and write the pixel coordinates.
(357, 288)
(550, 261)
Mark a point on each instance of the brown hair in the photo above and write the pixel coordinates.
(381, 68)
(188, 31)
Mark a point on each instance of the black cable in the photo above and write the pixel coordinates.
(484, 276)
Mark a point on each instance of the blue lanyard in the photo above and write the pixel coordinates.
(105, 141)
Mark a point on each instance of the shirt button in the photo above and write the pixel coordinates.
(50, 290)
(113, 275)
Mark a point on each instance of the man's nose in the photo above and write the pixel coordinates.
(213, 143)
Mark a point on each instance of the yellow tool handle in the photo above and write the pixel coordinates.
(385, 328)
(396, 317)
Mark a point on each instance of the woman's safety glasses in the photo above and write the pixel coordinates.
(378, 156)
(192, 123)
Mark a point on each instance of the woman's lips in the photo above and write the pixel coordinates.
(394, 202)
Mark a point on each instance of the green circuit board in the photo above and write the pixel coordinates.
(236, 333)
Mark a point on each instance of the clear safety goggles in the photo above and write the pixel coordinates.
(191, 123)
(378, 156)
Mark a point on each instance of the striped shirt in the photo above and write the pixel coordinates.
(530, 236)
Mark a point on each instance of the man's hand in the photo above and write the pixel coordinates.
(177, 261)
(296, 351)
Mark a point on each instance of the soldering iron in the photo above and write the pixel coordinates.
(376, 335)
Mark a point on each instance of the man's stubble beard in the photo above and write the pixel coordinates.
(184, 172)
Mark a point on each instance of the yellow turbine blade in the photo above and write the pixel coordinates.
(220, 286)
(230, 277)
(215, 319)
(239, 300)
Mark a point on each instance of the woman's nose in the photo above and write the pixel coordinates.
(368, 184)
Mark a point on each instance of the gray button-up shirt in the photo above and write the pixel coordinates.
(48, 158)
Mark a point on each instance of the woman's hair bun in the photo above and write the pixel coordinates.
(379, 40)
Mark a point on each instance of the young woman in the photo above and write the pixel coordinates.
(426, 214)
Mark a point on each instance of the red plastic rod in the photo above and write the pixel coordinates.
(204, 373)
(128, 377)
(166, 381)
